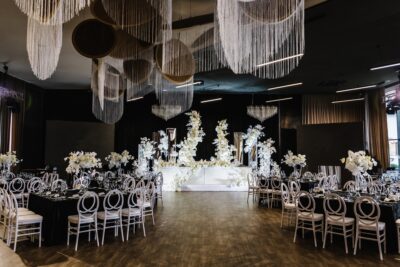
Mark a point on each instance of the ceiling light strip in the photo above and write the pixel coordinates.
(187, 84)
(134, 99)
(385, 66)
(284, 86)
(211, 100)
(278, 100)
(348, 100)
(279, 60)
(357, 88)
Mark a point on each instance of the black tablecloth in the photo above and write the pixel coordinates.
(55, 216)
(389, 213)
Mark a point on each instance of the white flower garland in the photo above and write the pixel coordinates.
(148, 148)
(188, 147)
(164, 143)
(252, 136)
(223, 151)
(265, 151)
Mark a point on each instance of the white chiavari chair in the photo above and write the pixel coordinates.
(129, 184)
(134, 213)
(306, 218)
(368, 226)
(148, 201)
(111, 217)
(288, 206)
(159, 181)
(59, 185)
(86, 219)
(294, 188)
(36, 186)
(336, 222)
(276, 190)
(141, 184)
(81, 183)
(22, 224)
(264, 192)
(17, 187)
(252, 187)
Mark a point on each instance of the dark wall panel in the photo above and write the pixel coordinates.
(326, 144)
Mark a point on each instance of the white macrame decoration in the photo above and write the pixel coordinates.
(43, 43)
(166, 112)
(108, 87)
(52, 12)
(262, 113)
(261, 37)
(148, 20)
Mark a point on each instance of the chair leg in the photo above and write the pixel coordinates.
(69, 230)
(325, 233)
(127, 228)
(295, 231)
(15, 236)
(379, 244)
(314, 233)
(90, 232)
(104, 230)
(122, 231)
(144, 231)
(356, 241)
(283, 212)
(97, 233)
(40, 235)
(384, 241)
(77, 237)
(345, 239)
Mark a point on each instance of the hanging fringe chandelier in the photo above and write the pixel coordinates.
(43, 43)
(166, 112)
(261, 37)
(262, 113)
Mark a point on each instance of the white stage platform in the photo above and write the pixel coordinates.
(205, 178)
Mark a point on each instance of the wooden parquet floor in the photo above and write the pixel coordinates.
(205, 229)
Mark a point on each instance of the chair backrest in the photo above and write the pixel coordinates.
(81, 183)
(305, 202)
(140, 184)
(129, 184)
(368, 210)
(3, 196)
(135, 197)
(17, 186)
(294, 187)
(88, 205)
(250, 179)
(276, 183)
(285, 193)
(30, 181)
(59, 184)
(3, 184)
(350, 186)
(374, 188)
(12, 205)
(36, 186)
(113, 201)
(334, 205)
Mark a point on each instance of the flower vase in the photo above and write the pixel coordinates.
(296, 172)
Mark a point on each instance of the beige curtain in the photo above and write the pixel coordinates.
(318, 109)
(378, 130)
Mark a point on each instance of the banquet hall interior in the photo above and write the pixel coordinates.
(199, 133)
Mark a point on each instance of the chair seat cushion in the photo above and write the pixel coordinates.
(338, 220)
(254, 187)
(290, 205)
(110, 215)
(29, 219)
(76, 220)
(370, 225)
(146, 204)
(131, 212)
(308, 216)
(21, 211)
(398, 222)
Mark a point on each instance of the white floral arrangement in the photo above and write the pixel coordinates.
(188, 147)
(275, 169)
(9, 159)
(141, 167)
(164, 142)
(223, 151)
(358, 162)
(148, 148)
(80, 160)
(252, 136)
(265, 151)
(117, 160)
(293, 160)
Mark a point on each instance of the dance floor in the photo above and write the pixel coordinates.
(203, 229)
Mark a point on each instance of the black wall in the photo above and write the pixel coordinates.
(326, 144)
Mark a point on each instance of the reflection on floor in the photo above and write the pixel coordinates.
(203, 229)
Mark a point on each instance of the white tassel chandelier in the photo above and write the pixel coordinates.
(261, 37)
(52, 12)
(262, 113)
(166, 112)
(43, 45)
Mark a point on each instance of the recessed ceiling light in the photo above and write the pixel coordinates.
(188, 84)
(134, 99)
(348, 100)
(357, 88)
(284, 86)
(278, 60)
(278, 100)
(211, 100)
(385, 66)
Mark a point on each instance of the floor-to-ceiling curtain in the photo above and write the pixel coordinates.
(378, 131)
(318, 109)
